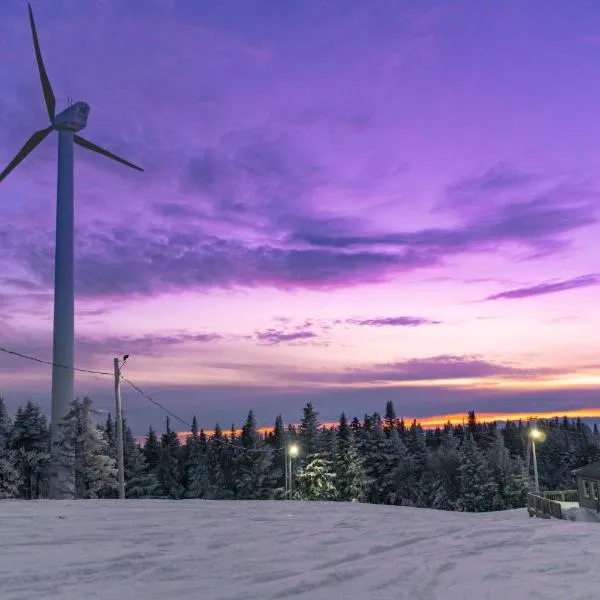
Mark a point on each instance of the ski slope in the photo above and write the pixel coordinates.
(161, 550)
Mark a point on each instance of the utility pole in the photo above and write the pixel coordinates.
(119, 426)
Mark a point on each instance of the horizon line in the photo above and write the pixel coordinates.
(434, 421)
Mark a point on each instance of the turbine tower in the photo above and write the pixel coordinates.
(67, 123)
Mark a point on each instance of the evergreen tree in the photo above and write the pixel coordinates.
(389, 419)
(140, 482)
(316, 480)
(197, 476)
(253, 464)
(152, 451)
(478, 490)
(350, 477)
(10, 480)
(217, 489)
(309, 431)
(278, 440)
(446, 463)
(83, 453)
(508, 473)
(169, 474)
(30, 441)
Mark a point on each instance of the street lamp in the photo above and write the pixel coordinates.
(291, 451)
(536, 434)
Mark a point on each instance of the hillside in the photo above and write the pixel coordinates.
(268, 550)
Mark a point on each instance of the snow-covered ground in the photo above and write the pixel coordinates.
(288, 550)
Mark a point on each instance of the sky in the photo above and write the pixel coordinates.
(342, 202)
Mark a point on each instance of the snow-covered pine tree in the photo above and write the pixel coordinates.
(316, 480)
(152, 451)
(197, 476)
(478, 490)
(278, 440)
(169, 472)
(217, 489)
(30, 442)
(10, 480)
(140, 482)
(389, 420)
(83, 452)
(350, 478)
(503, 471)
(309, 431)
(252, 464)
(328, 439)
(446, 462)
(416, 477)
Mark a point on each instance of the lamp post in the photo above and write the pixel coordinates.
(291, 452)
(535, 434)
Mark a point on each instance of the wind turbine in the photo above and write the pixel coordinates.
(67, 123)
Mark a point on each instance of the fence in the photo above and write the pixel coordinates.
(548, 504)
(562, 495)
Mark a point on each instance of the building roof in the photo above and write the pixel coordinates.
(590, 470)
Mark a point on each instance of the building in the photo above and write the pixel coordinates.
(588, 485)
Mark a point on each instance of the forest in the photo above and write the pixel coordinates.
(474, 467)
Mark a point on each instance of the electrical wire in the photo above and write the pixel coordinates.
(184, 422)
(52, 364)
(144, 394)
(213, 438)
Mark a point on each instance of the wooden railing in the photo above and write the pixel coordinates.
(547, 504)
(562, 495)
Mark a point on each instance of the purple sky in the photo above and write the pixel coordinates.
(344, 201)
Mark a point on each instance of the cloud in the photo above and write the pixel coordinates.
(547, 288)
(500, 177)
(274, 337)
(88, 348)
(437, 368)
(393, 322)
(537, 223)
(122, 261)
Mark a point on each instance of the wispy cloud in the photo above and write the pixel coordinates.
(393, 322)
(275, 337)
(436, 368)
(547, 288)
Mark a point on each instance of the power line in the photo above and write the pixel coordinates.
(53, 364)
(172, 414)
(188, 425)
(138, 389)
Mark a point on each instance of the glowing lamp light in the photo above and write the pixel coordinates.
(293, 450)
(537, 435)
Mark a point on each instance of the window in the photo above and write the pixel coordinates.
(586, 488)
(595, 490)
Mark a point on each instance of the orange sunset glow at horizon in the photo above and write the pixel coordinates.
(441, 420)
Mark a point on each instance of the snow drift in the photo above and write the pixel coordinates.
(157, 549)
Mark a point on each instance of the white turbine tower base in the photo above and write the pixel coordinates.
(67, 123)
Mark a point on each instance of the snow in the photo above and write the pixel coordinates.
(568, 505)
(161, 549)
(578, 513)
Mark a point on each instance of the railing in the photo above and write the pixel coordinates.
(562, 495)
(548, 504)
(539, 506)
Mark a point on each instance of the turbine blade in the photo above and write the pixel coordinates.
(90, 146)
(48, 93)
(29, 145)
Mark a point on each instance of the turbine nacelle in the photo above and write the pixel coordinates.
(73, 118)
